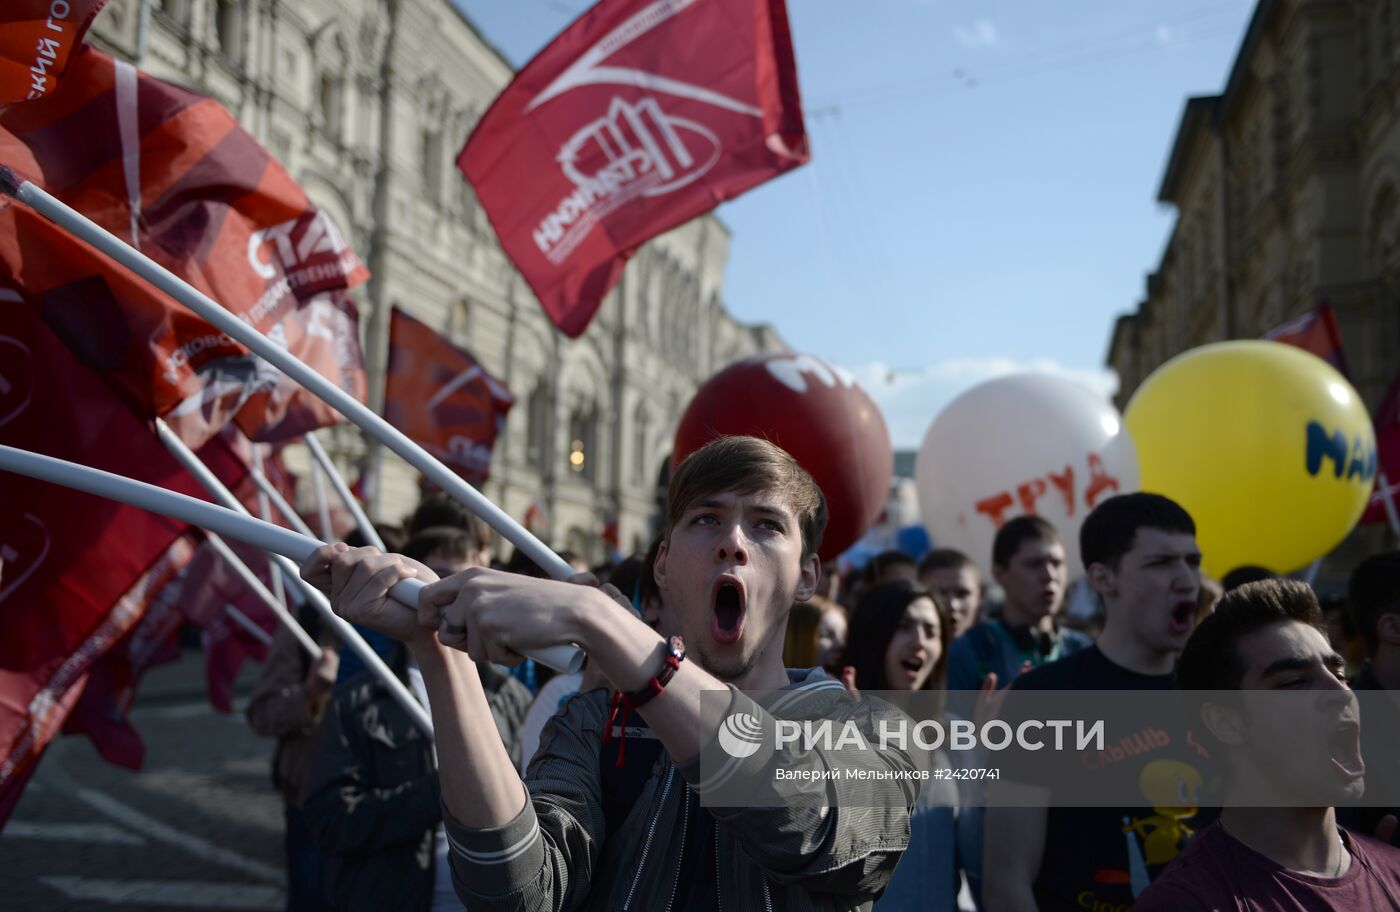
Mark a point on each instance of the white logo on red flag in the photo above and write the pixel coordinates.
(672, 107)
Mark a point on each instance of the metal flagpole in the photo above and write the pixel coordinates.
(251, 626)
(348, 634)
(1388, 501)
(250, 579)
(78, 225)
(265, 511)
(323, 508)
(342, 490)
(225, 522)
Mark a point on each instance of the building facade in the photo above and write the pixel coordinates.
(1287, 192)
(367, 102)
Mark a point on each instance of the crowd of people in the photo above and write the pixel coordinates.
(588, 790)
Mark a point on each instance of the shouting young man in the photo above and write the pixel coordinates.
(743, 526)
(1272, 693)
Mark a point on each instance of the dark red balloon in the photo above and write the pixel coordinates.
(818, 414)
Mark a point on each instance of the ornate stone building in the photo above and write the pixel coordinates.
(1287, 191)
(367, 103)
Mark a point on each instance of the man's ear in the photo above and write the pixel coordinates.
(997, 573)
(1224, 722)
(1102, 578)
(658, 569)
(1388, 628)
(807, 581)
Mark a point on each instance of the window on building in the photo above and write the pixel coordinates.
(537, 431)
(583, 454)
(176, 9)
(228, 27)
(329, 101)
(430, 163)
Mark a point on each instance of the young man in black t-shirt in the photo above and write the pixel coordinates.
(1141, 557)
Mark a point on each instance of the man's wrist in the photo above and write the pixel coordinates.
(626, 651)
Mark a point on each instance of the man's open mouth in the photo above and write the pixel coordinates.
(1183, 616)
(727, 617)
(1344, 747)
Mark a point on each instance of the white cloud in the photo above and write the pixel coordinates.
(911, 399)
(981, 34)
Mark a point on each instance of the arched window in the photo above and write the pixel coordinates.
(228, 28)
(329, 102)
(583, 450)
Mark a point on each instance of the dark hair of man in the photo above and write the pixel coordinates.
(748, 465)
(945, 559)
(1111, 528)
(1211, 660)
(1017, 532)
(438, 509)
(885, 561)
(443, 541)
(393, 538)
(1374, 591)
(1248, 573)
(873, 625)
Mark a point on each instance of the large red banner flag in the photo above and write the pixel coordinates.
(37, 37)
(77, 572)
(442, 399)
(1315, 331)
(642, 115)
(172, 173)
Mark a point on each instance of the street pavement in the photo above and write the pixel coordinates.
(199, 827)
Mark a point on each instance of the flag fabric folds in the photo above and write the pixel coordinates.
(37, 38)
(77, 572)
(172, 173)
(642, 115)
(440, 397)
(1315, 331)
(1387, 421)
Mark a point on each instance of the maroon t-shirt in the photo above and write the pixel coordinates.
(1218, 873)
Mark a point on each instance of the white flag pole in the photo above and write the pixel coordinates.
(265, 511)
(83, 228)
(274, 604)
(347, 634)
(323, 507)
(293, 518)
(251, 626)
(78, 225)
(229, 524)
(342, 490)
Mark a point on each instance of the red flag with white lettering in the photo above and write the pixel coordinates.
(1387, 421)
(642, 115)
(172, 173)
(77, 572)
(442, 399)
(324, 334)
(37, 38)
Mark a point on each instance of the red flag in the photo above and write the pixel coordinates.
(36, 39)
(442, 399)
(76, 571)
(324, 334)
(1315, 331)
(172, 172)
(1387, 421)
(212, 593)
(642, 115)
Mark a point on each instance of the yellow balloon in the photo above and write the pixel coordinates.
(1268, 448)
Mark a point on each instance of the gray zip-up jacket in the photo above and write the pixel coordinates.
(835, 850)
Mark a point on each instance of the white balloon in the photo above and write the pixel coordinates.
(1024, 443)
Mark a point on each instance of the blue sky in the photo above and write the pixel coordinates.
(982, 191)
